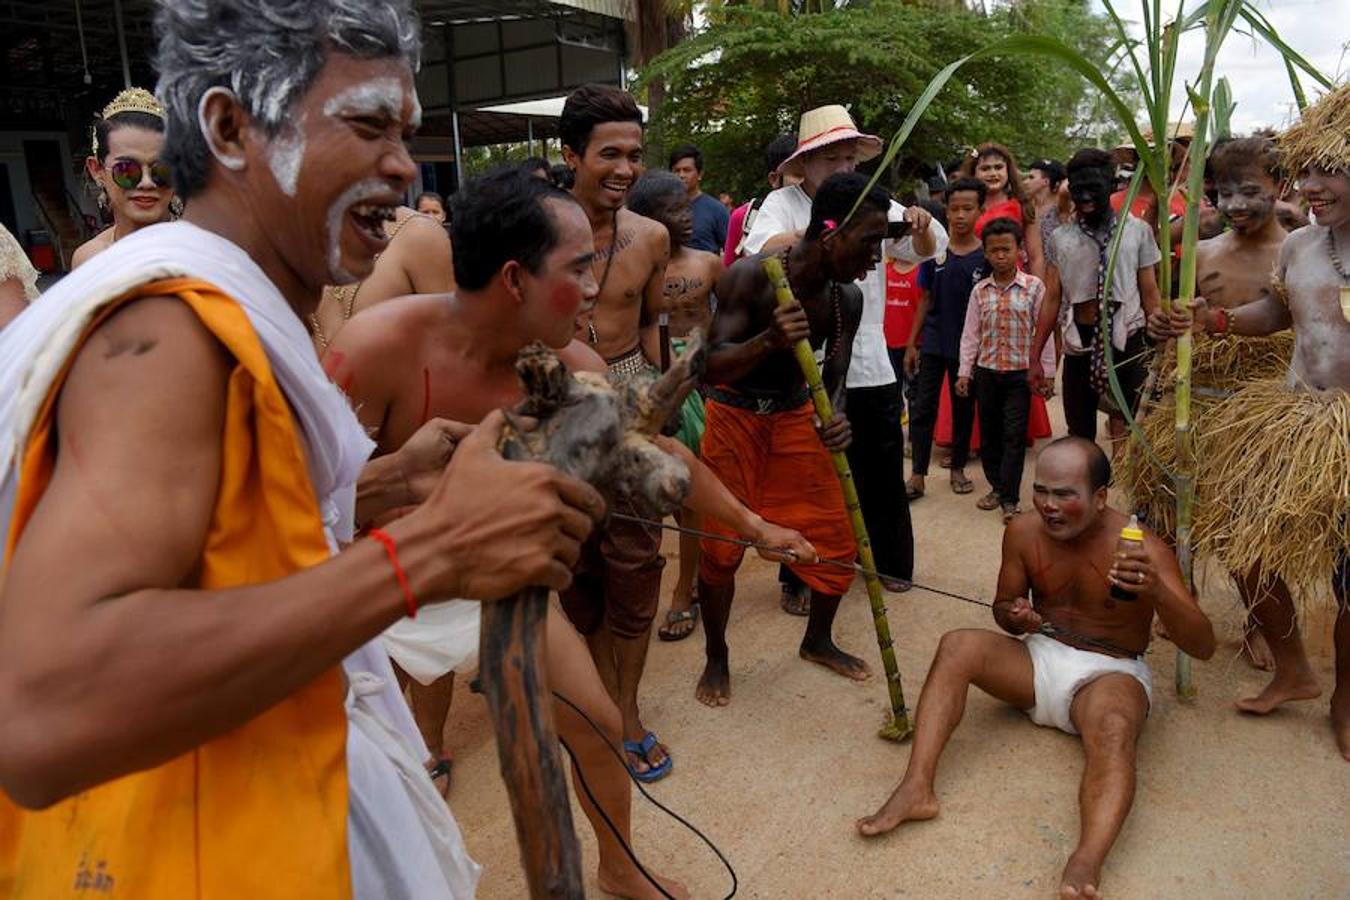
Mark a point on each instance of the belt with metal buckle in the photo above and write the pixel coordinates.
(760, 406)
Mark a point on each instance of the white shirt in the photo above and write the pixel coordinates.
(789, 209)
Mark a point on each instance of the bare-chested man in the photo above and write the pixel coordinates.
(1235, 267)
(686, 306)
(523, 274)
(417, 260)
(761, 437)
(1085, 674)
(1315, 302)
(617, 591)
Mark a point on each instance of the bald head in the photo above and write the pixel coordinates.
(1069, 492)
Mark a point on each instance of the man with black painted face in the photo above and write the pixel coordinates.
(761, 437)
(1077, 276)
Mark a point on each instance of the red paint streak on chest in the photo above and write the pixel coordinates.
(426, 397)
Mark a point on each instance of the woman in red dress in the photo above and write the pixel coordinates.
(1006, 199)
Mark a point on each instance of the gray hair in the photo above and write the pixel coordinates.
(268, 52)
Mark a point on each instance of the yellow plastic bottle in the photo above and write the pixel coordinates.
(1131, 536)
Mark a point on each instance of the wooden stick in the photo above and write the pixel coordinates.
(515, 683)
(899, 728)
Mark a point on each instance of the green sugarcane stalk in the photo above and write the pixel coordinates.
(1218, 21)
(900, 727)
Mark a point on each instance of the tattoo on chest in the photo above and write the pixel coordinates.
(682, 288)
(624, 241)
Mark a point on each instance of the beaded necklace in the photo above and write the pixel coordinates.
(837, 338)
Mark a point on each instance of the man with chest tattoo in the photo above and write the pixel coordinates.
(762, 439)
(686, 305)
(1084, 673)
(614, 598)
(1307, 460)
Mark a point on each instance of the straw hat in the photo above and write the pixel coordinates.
(827, 125)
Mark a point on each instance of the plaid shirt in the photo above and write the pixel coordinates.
(1000, 324)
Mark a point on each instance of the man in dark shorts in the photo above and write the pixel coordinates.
(761, 439)
(1077, 277)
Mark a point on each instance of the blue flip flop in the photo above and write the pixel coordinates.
(654, 773)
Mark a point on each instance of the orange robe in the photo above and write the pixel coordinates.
(260, 812)
(776, 465)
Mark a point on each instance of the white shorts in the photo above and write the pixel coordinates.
(442, 638)
(1062, 671)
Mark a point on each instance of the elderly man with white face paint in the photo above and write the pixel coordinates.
(829, 142)
(193, 704)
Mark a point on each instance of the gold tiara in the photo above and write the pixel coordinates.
(130, 100)
(134, 100)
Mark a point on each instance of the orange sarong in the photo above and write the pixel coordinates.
(260, 812)
(776, 465)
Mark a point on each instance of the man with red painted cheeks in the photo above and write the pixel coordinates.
(206, 681)
(1072, 655)
(418, 362)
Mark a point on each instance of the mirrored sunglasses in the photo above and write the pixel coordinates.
(127, 173)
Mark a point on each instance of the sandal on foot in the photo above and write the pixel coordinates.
(642, 748)
(988, 501)
(896, 585)
(671, 630)
(960, 483)
(1009, 511)
(794, 604)
(913, 492)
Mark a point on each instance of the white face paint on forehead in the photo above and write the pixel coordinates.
(375, 96)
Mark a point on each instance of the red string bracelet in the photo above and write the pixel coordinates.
(391, 550)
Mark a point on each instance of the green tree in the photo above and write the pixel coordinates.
(757, 66)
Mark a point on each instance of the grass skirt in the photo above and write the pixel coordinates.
(1273, 479)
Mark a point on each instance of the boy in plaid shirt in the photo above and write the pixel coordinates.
(996, 346)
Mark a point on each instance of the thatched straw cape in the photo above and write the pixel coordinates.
(1273, 480)
(1321, 136)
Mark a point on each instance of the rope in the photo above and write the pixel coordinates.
(649, 798)
(1049, 629)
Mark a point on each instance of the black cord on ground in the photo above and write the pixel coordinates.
(650, 799)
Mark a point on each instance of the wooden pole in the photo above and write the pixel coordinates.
(512, 673)
(899, 728)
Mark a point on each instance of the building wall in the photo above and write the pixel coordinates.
(11, 153)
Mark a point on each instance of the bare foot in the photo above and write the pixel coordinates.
(1283, 688)
(831, 657)
(1080, 879)
(630, 884)
(714, 687)
(1257, 653)
(1340, 721)
(906, 804)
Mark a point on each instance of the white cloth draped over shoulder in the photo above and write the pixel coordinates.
(395, 837)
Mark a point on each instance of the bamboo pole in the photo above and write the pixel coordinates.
(900, 727)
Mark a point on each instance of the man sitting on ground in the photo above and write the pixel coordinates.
(1075, 658)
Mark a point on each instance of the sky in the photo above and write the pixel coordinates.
(1318, 29)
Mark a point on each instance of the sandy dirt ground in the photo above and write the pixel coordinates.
(1228, 806)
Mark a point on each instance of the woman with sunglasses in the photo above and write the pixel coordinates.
(133, 182)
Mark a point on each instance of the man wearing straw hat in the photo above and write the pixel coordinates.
(828, 142)
(1276, 458)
